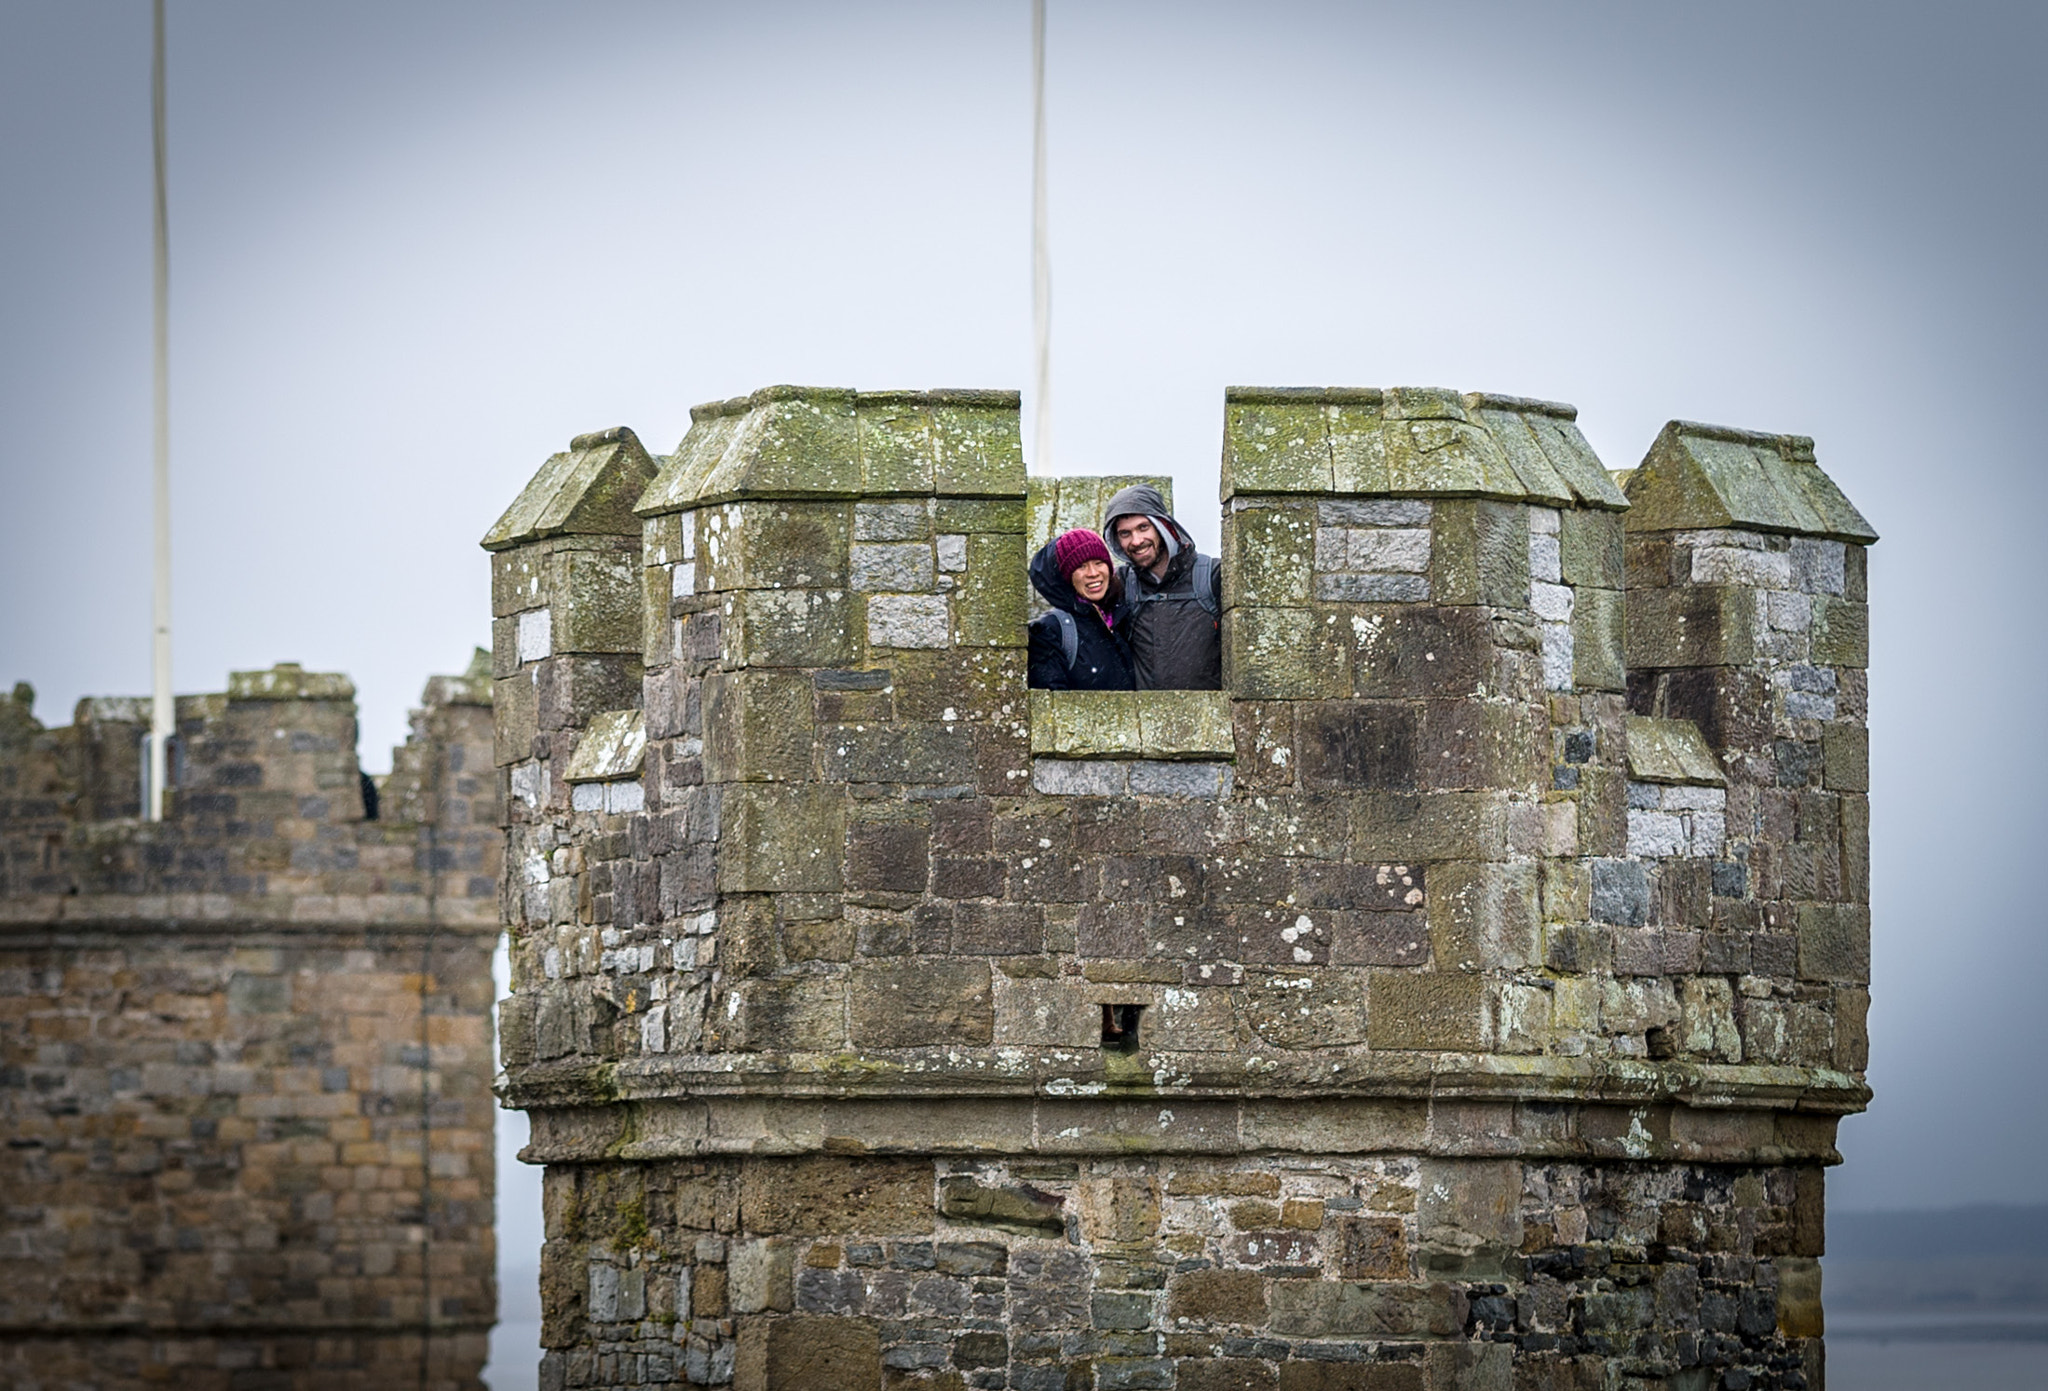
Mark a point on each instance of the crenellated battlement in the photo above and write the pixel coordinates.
(245, 1051)
(1525, 845)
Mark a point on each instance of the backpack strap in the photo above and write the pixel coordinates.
(1070, 635)
(1205, 584)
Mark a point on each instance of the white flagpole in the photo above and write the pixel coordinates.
(1041, 260)
(163, 713)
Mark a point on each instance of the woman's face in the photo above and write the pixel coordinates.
(1091, 580)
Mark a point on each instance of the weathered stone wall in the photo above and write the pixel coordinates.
(245, 1052)
(1461, 998)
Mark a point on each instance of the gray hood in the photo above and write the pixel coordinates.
(1143, 500)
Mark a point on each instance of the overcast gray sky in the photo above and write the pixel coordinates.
(417, 246)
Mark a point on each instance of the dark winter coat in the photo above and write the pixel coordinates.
(1176, 641)
(1101, 660)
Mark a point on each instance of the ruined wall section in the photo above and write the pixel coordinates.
(245, 1052)
(1438, 958)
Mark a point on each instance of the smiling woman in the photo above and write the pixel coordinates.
(1078, 643)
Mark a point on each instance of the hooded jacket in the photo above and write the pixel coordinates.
(1101, 660)
(1176, 642)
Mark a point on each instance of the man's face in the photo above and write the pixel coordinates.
(1138, 539)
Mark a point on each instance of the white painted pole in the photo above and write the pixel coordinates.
(1041, 257)
(163, 713)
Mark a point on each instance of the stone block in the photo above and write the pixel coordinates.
(1082, 724)
(569, 690)
(1282, 654)
(1621, 893)
(1845, 758)
(1373, 1248)
(1841, 633)
(1706, 1018)
(520, 580)
(1475, 1366)
(1484, 916)
(596, 603)
(1120, 1211)
(781, 544)
(988, 603)
(1402, 827)
(1079, 778)
(1154, 778)
(757, 725)
(1468, 1215)
(1590, 543)
(514, 708)
(1694, 626)
(998, 929)
(904, 752)
(1326, 1010)
(895, 442)
(916, 1003)
(893, 567)
(1206, 1373)
(1834, 942)
(1350, 1376)
(1269, 556)
(1388, 549)
(1218, 1296)
(807, 1351)
(831, 1195)
(1045, 1013)
(1484, 744)
(790, 628)
(1425, 1010)
(1479, 553)
(1358, 454)
(893, 521)
(1799, 1301)
(888, 856)
(1340, 1308)
(909, 621)
(1276, 447)
(1185, 724)
(779, 839)
(760, 1276)
(977, 450)
(1360, 744)
(1598, 633)
(1419, 651)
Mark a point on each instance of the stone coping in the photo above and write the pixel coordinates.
(588, 490)
(1132, 724)
(1409, 442)
(23, 919)
(613, 746)
(1671, 751)
(1171, 1078)
(834, 442)
(1708, 477)
(1125, 1127)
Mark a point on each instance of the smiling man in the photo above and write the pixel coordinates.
(1175, 595)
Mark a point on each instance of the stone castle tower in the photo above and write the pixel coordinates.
(1464, 998)
(245, 1051)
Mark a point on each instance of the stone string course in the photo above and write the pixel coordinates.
(245, 1053)
(1495, 945)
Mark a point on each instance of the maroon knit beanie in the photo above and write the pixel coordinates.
(1076, 548)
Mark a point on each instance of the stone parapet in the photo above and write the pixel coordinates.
(1458, 874)
(245, 1051)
